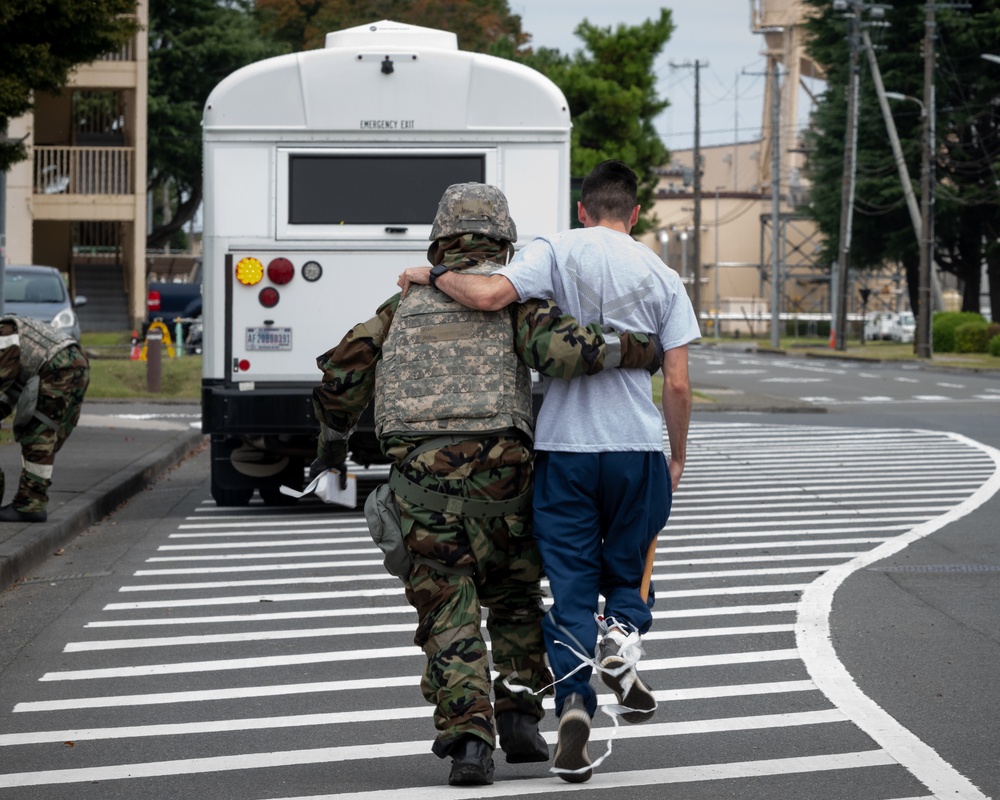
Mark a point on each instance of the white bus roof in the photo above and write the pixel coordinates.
(375, 81)
(388, 34)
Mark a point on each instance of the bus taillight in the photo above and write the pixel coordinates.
(269, 297)
(249, 271)
(280, 271)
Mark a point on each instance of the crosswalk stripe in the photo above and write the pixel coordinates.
(397, 610)
(611, 783)
(322, 579)
(357, 717)
(326, 755)
(159, 698)
(359, 630)
(265, 662)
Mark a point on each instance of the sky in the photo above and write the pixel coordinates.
(713, 31)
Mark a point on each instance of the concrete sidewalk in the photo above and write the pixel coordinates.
(117, 450)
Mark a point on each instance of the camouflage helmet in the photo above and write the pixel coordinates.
(473, 208)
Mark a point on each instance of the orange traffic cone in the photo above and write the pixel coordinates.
(135, 346)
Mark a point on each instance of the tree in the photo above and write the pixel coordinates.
(965, 151)
(479, 24)
(43, 40)
(611, 90)
(610, 86)
(969, 159)
(193, 44)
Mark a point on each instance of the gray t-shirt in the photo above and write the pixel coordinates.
(602, 275)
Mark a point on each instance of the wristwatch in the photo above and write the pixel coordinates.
(436, 272)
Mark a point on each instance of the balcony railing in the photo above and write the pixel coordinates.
(84, 170)
(124, 53)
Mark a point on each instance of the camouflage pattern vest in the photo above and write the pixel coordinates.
(39, 342)
(447, 369)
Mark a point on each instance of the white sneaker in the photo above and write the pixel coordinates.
(572, 761)
(618, 655)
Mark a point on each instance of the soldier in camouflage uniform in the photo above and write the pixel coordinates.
(30, 349)
(453, 409)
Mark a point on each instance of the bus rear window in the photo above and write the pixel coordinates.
(374, 190)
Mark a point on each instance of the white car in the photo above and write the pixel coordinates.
(903, 327)
(886, 326)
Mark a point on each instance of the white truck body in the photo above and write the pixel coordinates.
(329, 164)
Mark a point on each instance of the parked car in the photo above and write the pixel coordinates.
(886, 326)
(40, 293)
(903, 328)
(168, 300)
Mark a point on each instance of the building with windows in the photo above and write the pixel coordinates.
(78, 202)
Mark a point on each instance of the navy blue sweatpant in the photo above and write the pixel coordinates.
(594, 517)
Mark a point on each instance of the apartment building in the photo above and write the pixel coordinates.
(79, 201)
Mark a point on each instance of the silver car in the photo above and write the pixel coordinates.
(40, 293)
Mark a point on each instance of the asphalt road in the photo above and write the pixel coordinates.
(917, 632)
(824, 626)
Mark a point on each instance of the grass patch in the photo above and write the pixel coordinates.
(180, 379)
(885, 351)
(113, 375)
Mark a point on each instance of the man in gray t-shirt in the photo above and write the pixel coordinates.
(602, 485)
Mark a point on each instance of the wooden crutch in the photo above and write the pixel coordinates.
(647, 572)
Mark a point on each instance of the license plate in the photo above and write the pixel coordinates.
(269, 339)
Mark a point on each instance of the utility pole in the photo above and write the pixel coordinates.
(776, 281)
(696, 295)
(696, 271)
(847, 188)
(922, 339)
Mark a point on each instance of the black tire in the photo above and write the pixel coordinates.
(231, 497)
(271, 494)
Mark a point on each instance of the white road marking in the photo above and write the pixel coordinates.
(277, 690)
(609, 784)
(197, 766)
(362, 716)
(814, 639)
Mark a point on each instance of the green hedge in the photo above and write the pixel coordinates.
(944, 325)
(994, 346)
(811, 328)
(972, 337)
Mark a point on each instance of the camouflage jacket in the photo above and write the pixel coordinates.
(25, 347)
(546, 339)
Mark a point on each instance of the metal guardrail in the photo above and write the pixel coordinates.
(84, 170)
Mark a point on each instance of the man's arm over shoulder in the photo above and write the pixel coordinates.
(676, 404)
(483, 292)
(557, 345)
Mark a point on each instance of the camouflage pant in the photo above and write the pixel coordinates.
(506, 581)
(63, 383)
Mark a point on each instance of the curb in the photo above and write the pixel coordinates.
(32, 546)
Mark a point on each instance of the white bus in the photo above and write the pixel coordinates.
(323, 172)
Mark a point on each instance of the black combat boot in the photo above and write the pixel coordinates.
(11, 514)
(520, 739)
(472, 762)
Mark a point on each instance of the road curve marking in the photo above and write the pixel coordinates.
(814, 642)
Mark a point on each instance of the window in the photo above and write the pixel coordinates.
(374, 189)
